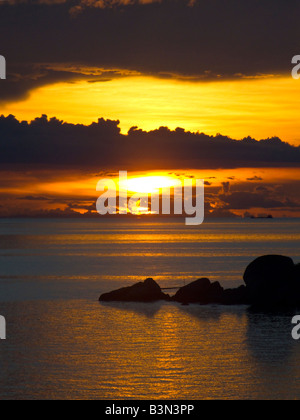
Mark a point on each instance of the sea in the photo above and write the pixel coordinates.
(62, 343)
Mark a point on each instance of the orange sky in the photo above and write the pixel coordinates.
(46, 190)
(261, 108)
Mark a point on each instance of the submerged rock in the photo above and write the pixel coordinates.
(147, 291)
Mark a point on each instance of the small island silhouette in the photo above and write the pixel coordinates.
(272, 282)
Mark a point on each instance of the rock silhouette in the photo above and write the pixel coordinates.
(204, 292)
(200, 291)
(238, 296)
(147, 291)
(271, 282)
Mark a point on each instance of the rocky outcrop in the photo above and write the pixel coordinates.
(297, 272)
(200, 291)
(272, 282)
(238, 296)
(147, 291)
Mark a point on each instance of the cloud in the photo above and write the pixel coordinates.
(24, 78)
(100, 146)
(34, 198)
(226, 187)
(248, 200)
(255, 178)
(106, 4)
(264, 189)
(210, 41)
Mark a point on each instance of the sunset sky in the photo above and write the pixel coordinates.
(116, 78)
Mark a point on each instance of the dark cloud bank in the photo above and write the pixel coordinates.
(168, 38)
(101, 146)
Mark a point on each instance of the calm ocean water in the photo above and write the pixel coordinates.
(62, 343)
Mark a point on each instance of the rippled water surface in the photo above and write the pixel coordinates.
(62, 343)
